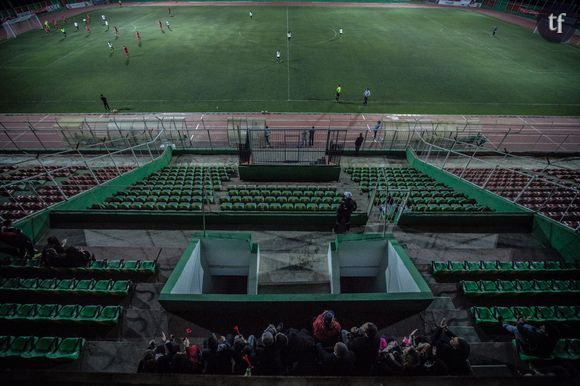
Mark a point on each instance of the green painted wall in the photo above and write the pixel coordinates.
(559, 237)
(35, 225)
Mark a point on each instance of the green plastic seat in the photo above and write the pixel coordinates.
(42, 348)
(238, 206)
(288, 207)
(293, 200)
(457, 267)
(68, 313)
(25, 311)
(563, 286)
(567, 349)
(521, 266)
(226, 206)
(258, 199)
(439, 267)
(312, 207)
(102, 287)
(505, 312)
(507, 286)
(89, 313)
(7, 309)
(546, 314)
(483, 315)
(489, 287)
(109, 315)
(251, 206)
(69, 349)
(473, 267)
(263, 206)
(83, 286)
(148, 266)
(270, 199)
(568, 313)
(114, 265)
(538, 266)
(275, 207)
(470, 287)
(281, 200)
(300, 207)
(505, 266)
(324, 207)
(525, 286)
(120, 287)
(47, 311)
(19, 346)
(247, 199)
(489, 266)
(543, 286)
(553, 265)
(66, 285)
(525, 312)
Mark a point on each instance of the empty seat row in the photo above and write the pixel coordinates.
(181, 206)
(285, 193)
(164, 198)
(104, 265)
(170, 192)
(277, 207)
(54, 313)
(284, 187)
(109, 287)
(450, 208)
(282, 199)
(535, 314)
(459, 268)
(520, 287)
(49, 348)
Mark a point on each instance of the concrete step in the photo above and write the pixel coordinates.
(289, 276)
(491, 371)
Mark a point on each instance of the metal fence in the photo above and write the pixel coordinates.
(531, 187)
(32, 183)
(218, 131)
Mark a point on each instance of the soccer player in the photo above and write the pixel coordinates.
(120, 3)
(110, 45)
(289, 34)
(277, 56)
(338, 91)
(63, 32)
(167, 24)
(103, 18)
(88, 29)
(340, 31)
(105, 103)
(251, 15)
(46, 25)
(366, 95)
(116, 32)
(107, 25)
(494, 31)
(169, 11)
(88, 19)
(160, 25)
(126, 50)
(138, 35)
(76, 26)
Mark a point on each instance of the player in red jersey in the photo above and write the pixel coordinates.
(161, 25)
(138, 35)
(126, 50)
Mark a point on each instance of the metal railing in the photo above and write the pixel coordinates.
(215, 131)
(517, 184)
(49, 182)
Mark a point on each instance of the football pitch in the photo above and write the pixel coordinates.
(419, 61)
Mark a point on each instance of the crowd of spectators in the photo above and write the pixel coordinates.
(324, 349)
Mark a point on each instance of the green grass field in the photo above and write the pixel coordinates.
(217, 59)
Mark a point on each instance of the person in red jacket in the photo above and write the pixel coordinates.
(326, 328)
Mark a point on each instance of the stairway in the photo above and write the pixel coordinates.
(292, 273)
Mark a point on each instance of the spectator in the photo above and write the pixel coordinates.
(240, 349)
(530, 339)
(450, 349)
(299, 356)
(14, 238)
(338, 363)
(326, 329)
(358, 144)
(311, 133)
(148, 363)
(344, 212)
(56, 255)
(364, 343)
(268, 356)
